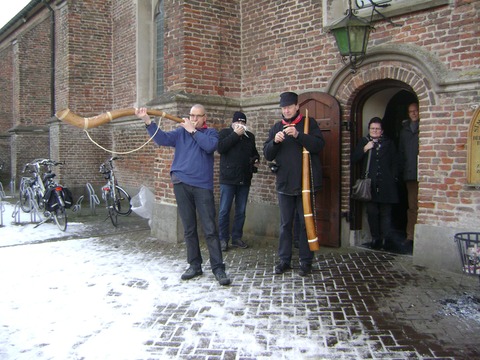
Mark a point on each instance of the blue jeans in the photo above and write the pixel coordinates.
(289, 206)
(191, 199)
(227, 194)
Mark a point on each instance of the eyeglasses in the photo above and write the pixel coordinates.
(376, 129)
(196, 116)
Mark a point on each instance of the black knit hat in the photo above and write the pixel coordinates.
(239, 116)
(288, 98)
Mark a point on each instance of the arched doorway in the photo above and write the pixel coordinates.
(389, 100)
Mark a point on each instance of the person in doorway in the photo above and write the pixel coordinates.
(192, 177)
(383, 171)
(408, 149)
(238, 159)
(285, 143)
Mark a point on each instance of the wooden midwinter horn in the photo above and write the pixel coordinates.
(312, 238)
(89, 123)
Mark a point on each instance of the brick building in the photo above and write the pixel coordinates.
(92, 57)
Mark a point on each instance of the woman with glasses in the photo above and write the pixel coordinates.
(383, 171)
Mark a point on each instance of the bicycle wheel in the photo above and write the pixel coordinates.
(25, 198)
(112, 213)
(60, 217)
(122, 201)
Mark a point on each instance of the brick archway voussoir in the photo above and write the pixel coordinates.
(382, 70)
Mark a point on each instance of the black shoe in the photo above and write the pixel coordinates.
(223, 245)
(222, 278)
(377, 244)
(191, 273)
(305, 269)
(281, 268)
(239, 243)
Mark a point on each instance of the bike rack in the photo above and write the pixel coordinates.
(2, 209)
(78, 205)
(35, 209)
(2, 193)
(16, 213)
(12, 187)
(93, 198)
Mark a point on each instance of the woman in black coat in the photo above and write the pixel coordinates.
(383, 171)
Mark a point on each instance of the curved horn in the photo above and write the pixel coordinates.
(312, 238)
(88, 123)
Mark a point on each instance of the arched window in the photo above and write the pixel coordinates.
(159, 18)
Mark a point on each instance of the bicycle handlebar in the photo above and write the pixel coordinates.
(45, 162)
(107, 166)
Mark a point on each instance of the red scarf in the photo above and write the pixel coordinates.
(292, 123)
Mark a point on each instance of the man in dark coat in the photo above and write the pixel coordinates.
(408, 147)
(238, 156)
(285, 143)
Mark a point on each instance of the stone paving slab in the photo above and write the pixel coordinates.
(357, 304)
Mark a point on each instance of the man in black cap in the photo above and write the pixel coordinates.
(285, 143)
(238, 156)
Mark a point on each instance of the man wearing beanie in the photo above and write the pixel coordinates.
(284, 145)
(238, 156)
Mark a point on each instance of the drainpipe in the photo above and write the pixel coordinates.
(52, 60)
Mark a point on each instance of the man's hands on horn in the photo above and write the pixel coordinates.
(189, 125)
(142, 114)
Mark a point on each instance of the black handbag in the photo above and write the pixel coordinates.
(362, 190)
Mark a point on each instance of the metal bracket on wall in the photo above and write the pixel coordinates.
(348, 125)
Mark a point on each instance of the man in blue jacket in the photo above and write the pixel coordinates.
(238, 156)
(192, 177)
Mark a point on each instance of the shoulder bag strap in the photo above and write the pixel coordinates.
(367, 170)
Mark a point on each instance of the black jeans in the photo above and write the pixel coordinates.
(191, 199)
(289, 205)
(379, 219)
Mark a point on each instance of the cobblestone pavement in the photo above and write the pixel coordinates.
(357, 304)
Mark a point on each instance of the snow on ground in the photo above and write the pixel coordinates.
(86, 299)
(19, 227)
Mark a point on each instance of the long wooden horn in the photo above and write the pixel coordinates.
(312, 238)
(88, 123)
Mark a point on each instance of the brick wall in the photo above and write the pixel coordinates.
(203, 52)
(450, 32)
(124, 54)
(238, 52)
(34, 75)
(6, 96)
(84, 83)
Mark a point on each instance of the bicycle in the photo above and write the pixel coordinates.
(42, 194)
(117, 200)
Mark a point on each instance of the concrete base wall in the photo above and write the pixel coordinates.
(262, 221)
(435, 247)
(166, 225)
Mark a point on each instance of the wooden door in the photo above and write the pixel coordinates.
(326, 111)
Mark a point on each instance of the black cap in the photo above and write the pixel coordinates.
(288, 98)
(239, 116)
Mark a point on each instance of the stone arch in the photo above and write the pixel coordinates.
(410, 64)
